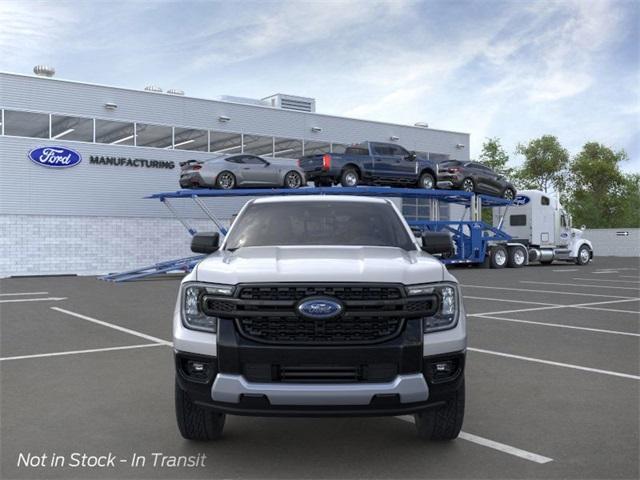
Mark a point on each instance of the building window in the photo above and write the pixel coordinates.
(287, 148)
(438, 157)
(114, 133)
(26, 124)
(225, 142)
(315, 148)
(258, 145)
(71, 128)
(415, 208)
(157, 136)
(190, 139)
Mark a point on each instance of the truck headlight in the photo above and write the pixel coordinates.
(193, 317)
(446, 316)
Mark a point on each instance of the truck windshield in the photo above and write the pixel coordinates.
(319, 223)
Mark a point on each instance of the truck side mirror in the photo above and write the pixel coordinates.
(437, 243)
(208, 242)
(412, 156)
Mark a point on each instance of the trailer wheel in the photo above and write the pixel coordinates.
(517, 257)
(584, 255)
(499, 257)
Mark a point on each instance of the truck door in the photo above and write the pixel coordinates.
(383, 160)
(404, 168)
(565, 230)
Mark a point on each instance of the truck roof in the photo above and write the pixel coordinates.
(322, 198)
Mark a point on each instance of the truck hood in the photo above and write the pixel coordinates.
(320, 264)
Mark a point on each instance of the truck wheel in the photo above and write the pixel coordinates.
(226, 180)
(499, 257)
(517, 257)
(427, 181)
(442, 423)
(584, 255)
(194, 421)
(349, 178)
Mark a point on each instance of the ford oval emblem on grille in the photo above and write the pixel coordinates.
(319, 308)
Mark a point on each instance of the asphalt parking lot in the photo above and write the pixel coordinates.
(552, 386)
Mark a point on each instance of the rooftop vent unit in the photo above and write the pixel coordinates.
(153, 88)
(291, 102)
(175, 91)
(44, 71)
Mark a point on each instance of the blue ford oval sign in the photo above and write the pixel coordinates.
(521, 200)
(319, 308)
(55, 157)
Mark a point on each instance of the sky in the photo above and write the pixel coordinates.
(509, 69)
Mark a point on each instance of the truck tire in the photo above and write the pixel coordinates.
(499, 256)
(517, 257)
(427, 181)
(196, 422)
(442, 423)
(349, 177)
(584, 255)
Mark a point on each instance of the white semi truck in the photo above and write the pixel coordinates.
(540, 228)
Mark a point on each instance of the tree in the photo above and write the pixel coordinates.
(495, 157)
(545, 164)
(600, 195)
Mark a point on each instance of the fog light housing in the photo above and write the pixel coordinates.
(442, 369)
(197, 370)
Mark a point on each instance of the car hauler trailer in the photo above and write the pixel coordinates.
(475, 241)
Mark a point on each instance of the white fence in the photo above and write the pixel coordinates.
(614, 242)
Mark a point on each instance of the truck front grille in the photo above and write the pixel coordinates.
(267, 313)
(338, 330)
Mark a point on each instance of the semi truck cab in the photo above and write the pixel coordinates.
(538, 221)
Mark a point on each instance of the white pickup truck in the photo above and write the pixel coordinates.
(319, 306)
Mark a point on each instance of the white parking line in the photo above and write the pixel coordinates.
(581, 285)
(550, 306)
(567, 270)
(558, 325)
(529, 302)
(529, 290)
(23, 293)
(111, 325)
(604, 280)
(628, 276)
(555, 364)
(77, 352)
(501, 447)
(20, 300)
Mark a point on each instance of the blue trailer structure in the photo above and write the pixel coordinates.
(473, 238)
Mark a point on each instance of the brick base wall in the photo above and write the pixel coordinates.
(53, 245)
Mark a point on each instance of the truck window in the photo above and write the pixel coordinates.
(319, 223)
(544, 200)
(356, 151)
(382, 150)
(517, 220)
(399, 151)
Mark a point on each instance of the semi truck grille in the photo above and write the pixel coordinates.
(267, 313)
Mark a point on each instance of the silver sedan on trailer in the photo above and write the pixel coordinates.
(241, 170)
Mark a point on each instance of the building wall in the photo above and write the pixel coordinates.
(93, 219)
(612, 242)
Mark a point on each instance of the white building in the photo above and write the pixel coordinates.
(93, 218)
